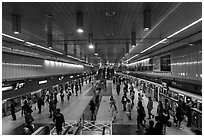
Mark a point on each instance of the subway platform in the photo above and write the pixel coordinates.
(78, 106)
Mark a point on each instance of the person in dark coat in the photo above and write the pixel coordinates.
(118, 88)
(150, 129)
(51, 107)
(158, 128)
(124, 102)
(72, 87)
(179, 115)
(76, 88)
(39, 103)
(59, 121)
(189, 113)
(92, 109)
(28, 121)
(141, 115)
(13, 110)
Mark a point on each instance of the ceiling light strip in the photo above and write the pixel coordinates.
(12, 37)
(179, 31)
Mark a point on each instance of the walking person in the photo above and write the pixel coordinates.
(92, 109)
(150, 107)
(13, 109)
(113, 108)
(80, 87)
(58, 119)
(158, 128)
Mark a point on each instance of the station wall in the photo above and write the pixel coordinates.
(18, 66)
(185, 63)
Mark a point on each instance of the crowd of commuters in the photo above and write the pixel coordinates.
(48, 99)
(157, 123)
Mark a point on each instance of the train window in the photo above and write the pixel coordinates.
(170, 93)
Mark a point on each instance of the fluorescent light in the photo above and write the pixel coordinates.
(154, 45)
(43, 82)
(7, 88)
(16, 32)
(79, 30)
(195, 22)
(71, 76)
(146, 29)
(132, 57)
(12, 37)
(164, 40)
(96, 53)
(91, 46)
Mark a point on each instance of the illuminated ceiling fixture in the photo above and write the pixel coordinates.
(7, 88)
(42, 82)
(12, 37)
(147, 19)
(177, 32)
(79, 21)
(91, 46)
(16, 24)
(133, 39)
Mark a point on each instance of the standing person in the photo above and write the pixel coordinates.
(113, 108)
(141, 115)
(58, 119)
(80, 87)
(132, 96)
(62, 96)
(35, 98)
(179, 115)
(140, 97)
(167, 106)
(118, 88)
(13, 109)
(23, 105)
(76, 88)
(124, 101)
(97, 99)
(68, 94)
(55, 97)
(129, 108)
(72, 87)
(39, 104)
(189, 112)
(30, 102)
(92, 109)
(51, 107)
(150, 107)
(160, 109)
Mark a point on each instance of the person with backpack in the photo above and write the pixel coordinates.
(13, 109)
(28, 121)
(39, 104)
